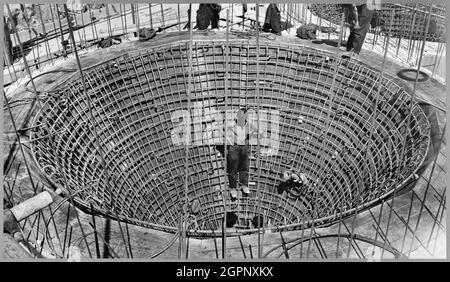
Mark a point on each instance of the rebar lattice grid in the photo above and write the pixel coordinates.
(415, 199)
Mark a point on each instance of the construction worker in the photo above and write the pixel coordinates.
(293, 181)
(238, 150)
(207, 14)
(359, 18)
(272, 22)
(258, 221)
(231, 219)
(193, 209)
(238, 155)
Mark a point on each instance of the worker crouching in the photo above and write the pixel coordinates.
(293, 182)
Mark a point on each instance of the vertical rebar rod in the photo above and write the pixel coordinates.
(150, 14)
(242, 247)
(437, 220)
(32, 106)
(410, 43)
(93, 25)
(258, 190)
(162, 17)
(283, 244)
(122, 15)
(408, 119)
(398, 46)
(84, 29)
(76, 24)
(135, 20)
(138, 19)
(97, 247)
(302, 235)
(215, 248)
(107, 239)
(53, 17)
(125, 17)
(326, 128)
(66, 186)
(428, 184)
(330, 99)
(411, 203)
(440, 220)
(94, 129)
(108, 20)
(65, 230)
(384, 235)
(437, 61)
(341, 210)
(187, 248)
(186, 147)
(180, 241)
(243, 17)
(69, 242)
(179, 17)
(27, 21)
(226, 88)
(44, 32)
(129, 240)
(133, 16)
(372, 124)
(61, 31)
(351, 246)
(55, 227)
(378, 223)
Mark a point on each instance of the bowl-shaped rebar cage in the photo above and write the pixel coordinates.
(409, 21)
(356, 142)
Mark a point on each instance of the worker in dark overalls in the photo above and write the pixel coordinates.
(359, 17)
(272, 21)
(238, 150)
(293, 181)
(207, 14)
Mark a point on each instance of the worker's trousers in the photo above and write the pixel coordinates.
(238, 163)
(357, 35)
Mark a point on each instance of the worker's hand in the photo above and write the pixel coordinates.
(357, 25)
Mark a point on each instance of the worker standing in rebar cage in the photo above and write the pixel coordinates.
(238, 150)
(359, 17)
